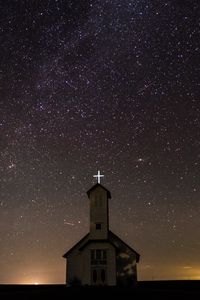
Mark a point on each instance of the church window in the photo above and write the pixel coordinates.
(94, 275)
(98, 256)
(104, 254)
(103, 275)
(92, 254)
(98, 226)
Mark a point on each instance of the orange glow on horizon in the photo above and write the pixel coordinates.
(170, 272)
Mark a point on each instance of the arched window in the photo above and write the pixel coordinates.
(103, 275)
(94, 275)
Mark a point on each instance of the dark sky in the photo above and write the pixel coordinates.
(99, 85)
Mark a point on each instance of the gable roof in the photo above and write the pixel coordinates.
(79, 244)
(99, 185)
(113, 239)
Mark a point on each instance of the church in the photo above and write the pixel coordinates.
(101, 257)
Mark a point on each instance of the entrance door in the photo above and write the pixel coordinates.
(99, 276)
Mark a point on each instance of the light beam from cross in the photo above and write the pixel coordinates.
(98, 176)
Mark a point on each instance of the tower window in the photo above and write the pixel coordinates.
(98, 226)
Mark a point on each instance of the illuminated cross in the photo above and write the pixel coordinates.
(98, 176)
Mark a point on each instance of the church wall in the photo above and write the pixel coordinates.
(121, 267)
(74, 269)
(111, 261)
(126, 267)
(99, 213)
(79, 265)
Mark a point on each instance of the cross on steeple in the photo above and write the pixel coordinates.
(98, 176)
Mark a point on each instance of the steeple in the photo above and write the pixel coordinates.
(99, 213)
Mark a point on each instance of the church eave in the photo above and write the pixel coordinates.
(96, 241)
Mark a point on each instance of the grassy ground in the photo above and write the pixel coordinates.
(145, 290)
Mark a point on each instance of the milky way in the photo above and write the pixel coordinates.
(99, 85)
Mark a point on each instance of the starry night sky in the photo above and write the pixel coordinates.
(99, 85)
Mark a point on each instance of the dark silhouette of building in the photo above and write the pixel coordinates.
(101, 257)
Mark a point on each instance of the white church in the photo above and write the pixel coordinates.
(101, 257)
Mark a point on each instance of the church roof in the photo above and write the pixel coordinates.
(112, 239)
(79, 244)
(99, 185)
(115, 239)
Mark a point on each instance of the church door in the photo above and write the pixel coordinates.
(98, 266)
(98, 276)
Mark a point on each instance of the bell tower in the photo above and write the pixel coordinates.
(99, 214)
